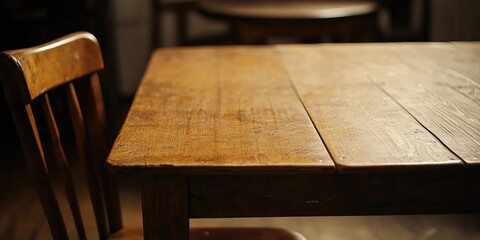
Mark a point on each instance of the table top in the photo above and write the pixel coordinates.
(288, 9)
(305, 108)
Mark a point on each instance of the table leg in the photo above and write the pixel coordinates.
(165, 208)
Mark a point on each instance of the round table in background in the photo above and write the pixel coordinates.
(257, 21)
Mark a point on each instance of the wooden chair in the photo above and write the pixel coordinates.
(70, 66)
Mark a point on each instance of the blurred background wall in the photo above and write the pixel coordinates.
(455, 20)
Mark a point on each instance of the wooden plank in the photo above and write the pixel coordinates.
(361, 125)
(387, 62)
(472, 49)
(230, 108)
(440, 63)
(447, 56)
(426, 79)
(451, 116)
(468, 47)
(428, 84)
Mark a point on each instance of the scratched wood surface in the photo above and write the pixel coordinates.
(229, 107)
(390, 105)
(374, 106)
(447, 104)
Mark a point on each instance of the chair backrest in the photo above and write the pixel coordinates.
(69, 65)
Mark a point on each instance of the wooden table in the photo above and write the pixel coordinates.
(304, 130)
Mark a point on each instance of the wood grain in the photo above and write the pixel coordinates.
(439, 63)
(224, 108)
(345, 88)
(362, 126)
(429, 80)
(447, 99)
(33, 60)
(240, 131)
(450, 57)
(451, 116)
(431, 86)
(438, 85)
